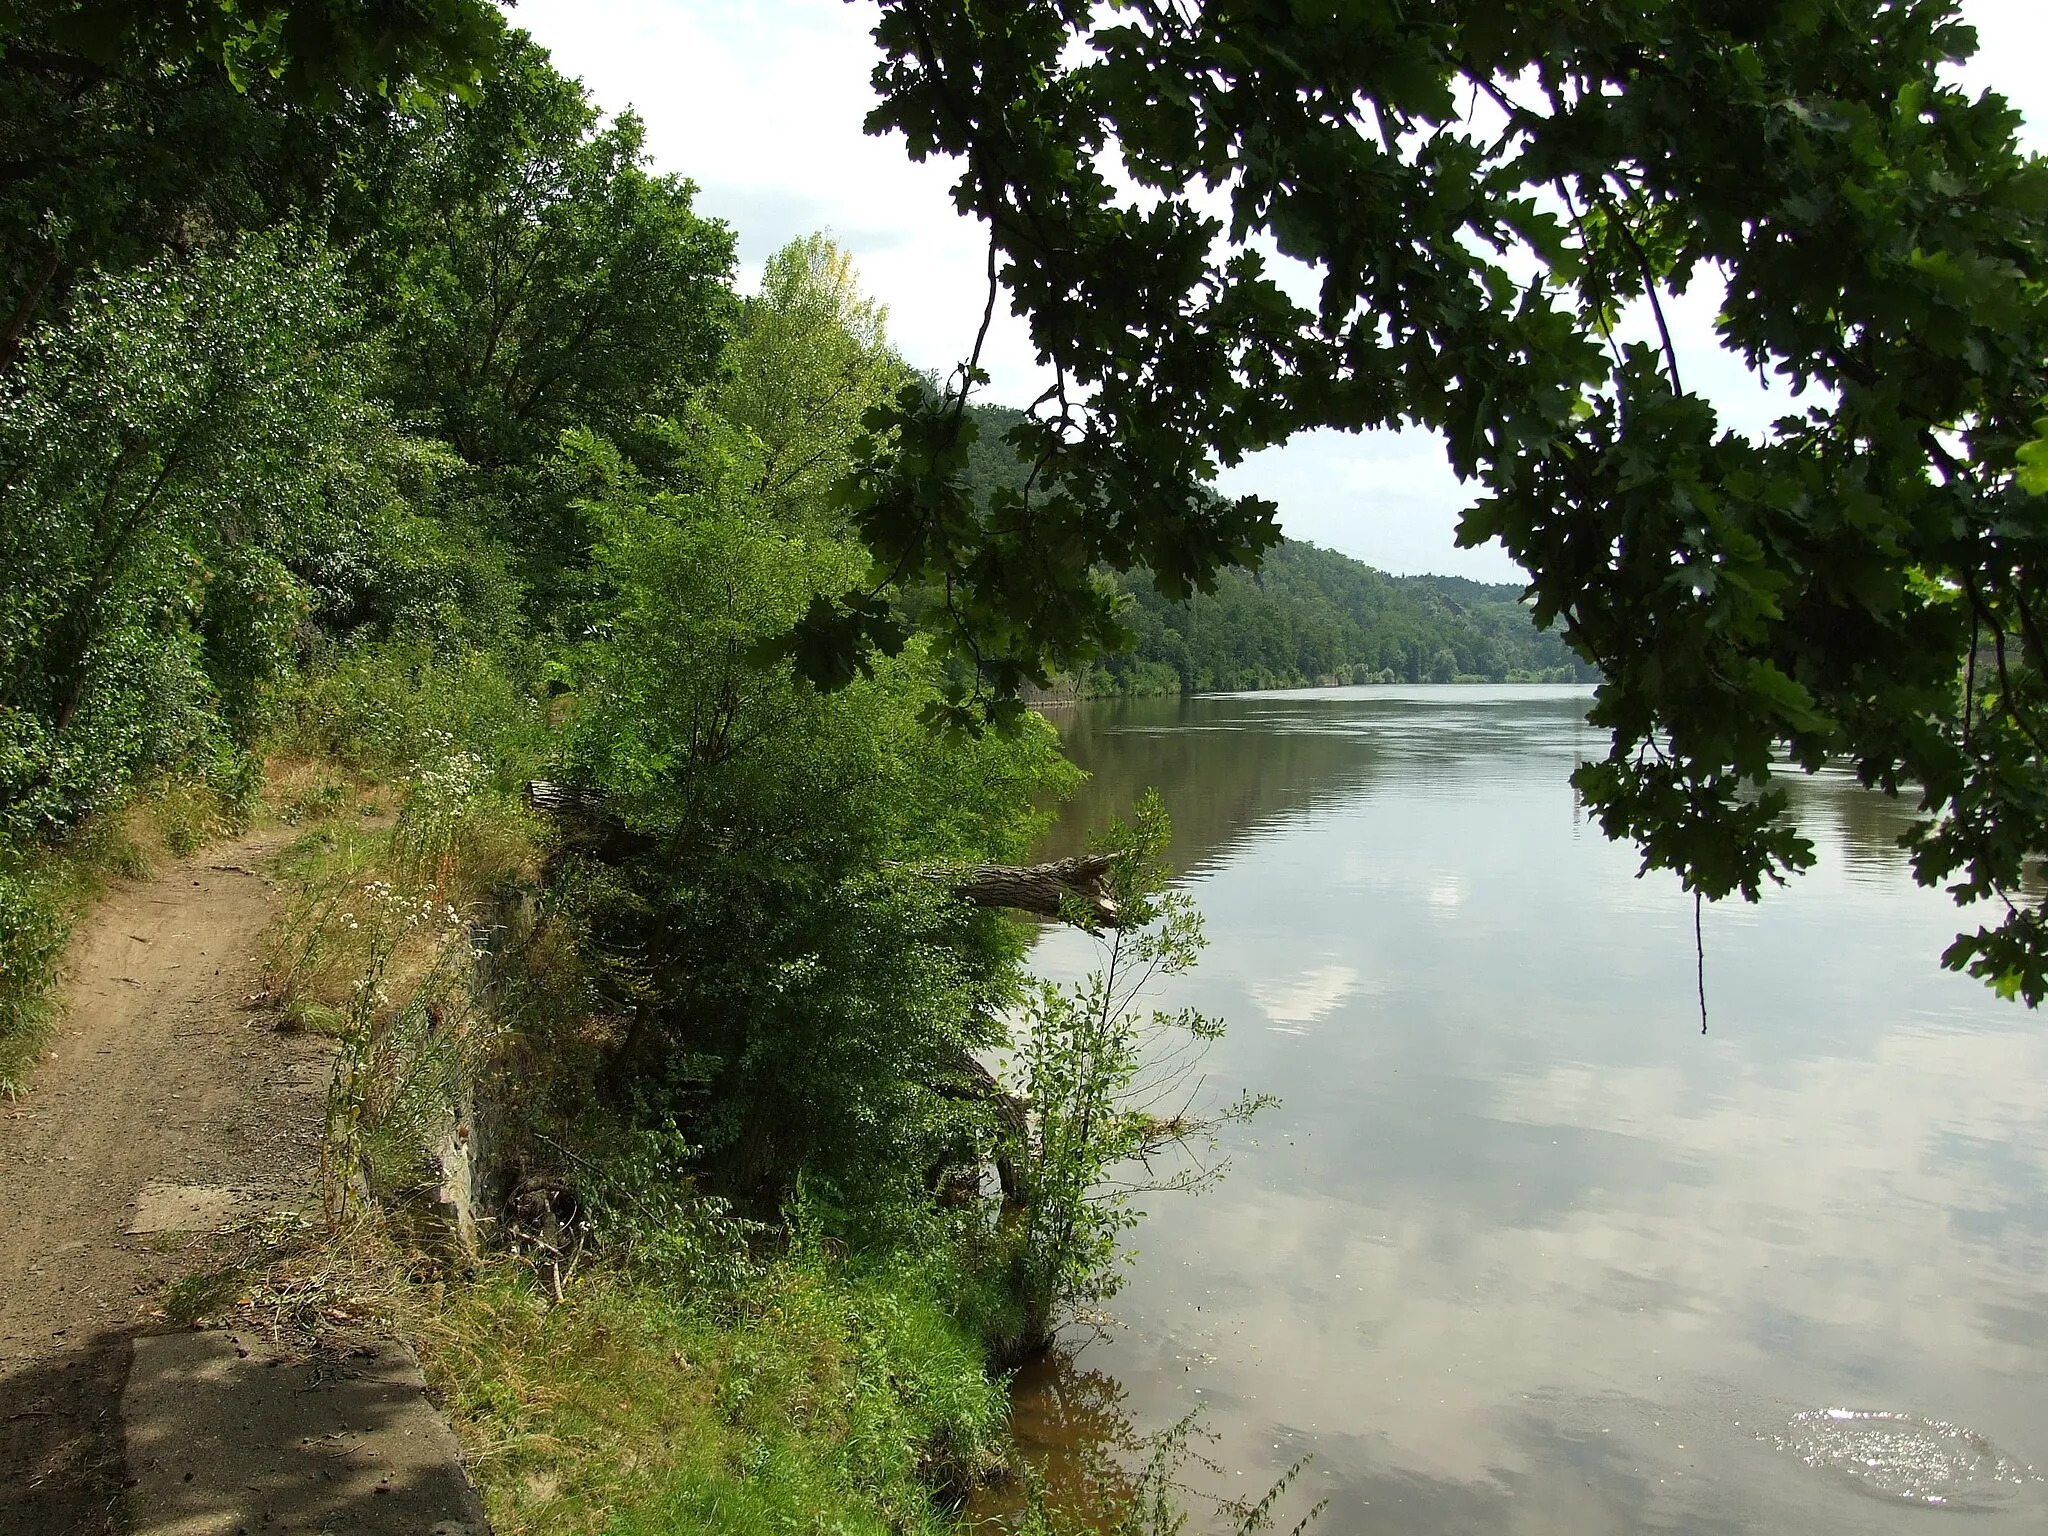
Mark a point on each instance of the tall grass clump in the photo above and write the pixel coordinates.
(380, 951)
(32, 933)
(820, 1392)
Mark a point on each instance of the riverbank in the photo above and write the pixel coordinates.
(616, 1349)
(175, 1160)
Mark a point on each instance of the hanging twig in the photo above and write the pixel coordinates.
(1649, 289)
(1699, 954)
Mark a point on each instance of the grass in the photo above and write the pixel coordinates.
(815, 1399)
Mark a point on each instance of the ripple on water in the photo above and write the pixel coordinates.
(1900, 1457)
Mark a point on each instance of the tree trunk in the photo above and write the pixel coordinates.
(1040, 889)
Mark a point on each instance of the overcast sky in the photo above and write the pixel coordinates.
(760, 103)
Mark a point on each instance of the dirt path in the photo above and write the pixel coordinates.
(168, 1101)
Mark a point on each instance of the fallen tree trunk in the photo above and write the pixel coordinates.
(1041, 889)
(586, 826)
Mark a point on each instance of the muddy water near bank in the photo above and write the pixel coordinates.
(1520, 1250)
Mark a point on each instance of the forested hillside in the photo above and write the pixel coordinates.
(1313, 616)
(1308, 616)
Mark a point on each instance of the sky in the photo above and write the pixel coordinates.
(761, 104)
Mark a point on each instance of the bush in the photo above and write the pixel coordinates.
(32, 931)
(799, 986)
(385, 706)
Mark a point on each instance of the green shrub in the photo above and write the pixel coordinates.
(386, 706)
(800, 984)
(32, 932)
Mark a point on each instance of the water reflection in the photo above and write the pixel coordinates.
(1521, 1251)
(1231, 766)
(1073, 1429)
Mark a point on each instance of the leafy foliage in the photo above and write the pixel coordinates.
(1097, 1067)
(165, 464)
(317, 51)
(132, 126)
(534, 274)
(810, 360)
(1477, 190)
(804, 987)
(531, 277)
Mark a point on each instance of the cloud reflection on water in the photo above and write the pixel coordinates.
(1520, 1250)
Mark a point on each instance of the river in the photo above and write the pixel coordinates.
(1520, 1250)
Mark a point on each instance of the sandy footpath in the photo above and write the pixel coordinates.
(168, 1103)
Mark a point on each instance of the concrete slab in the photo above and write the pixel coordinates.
(184, 1208)
(225, 1437)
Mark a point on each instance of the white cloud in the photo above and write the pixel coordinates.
(762, 104)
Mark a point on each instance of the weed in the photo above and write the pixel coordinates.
(33, 924)
(379, 951)
(306, 1286)
(829, 1401)
(197, 1299)
(382, 709)
(303, 1015)
(1095, 1066)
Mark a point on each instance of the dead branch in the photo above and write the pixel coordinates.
(1046, 890)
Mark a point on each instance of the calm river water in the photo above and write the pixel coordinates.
(1520, 1251)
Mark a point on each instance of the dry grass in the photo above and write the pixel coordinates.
(309, 1290)
(313, 791)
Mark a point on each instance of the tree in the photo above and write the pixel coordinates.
(168, 459)
(534, 275)
(1106, 1078)
(810, 360)
(1478, 188)
(127, 126)
(531, 277)
(799, 986)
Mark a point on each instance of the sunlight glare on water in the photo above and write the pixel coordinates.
(1898, 1456)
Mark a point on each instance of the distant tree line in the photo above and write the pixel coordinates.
(1307, 616)
(1313, 616)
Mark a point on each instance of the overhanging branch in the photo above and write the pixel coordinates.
(1065, 888)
